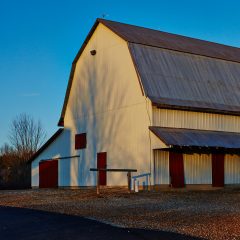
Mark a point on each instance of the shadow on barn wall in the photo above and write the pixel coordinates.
(65, 165)
(105, 120)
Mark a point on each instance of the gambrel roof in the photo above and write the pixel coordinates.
(178, 72)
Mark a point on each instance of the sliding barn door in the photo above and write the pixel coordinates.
(176, 170)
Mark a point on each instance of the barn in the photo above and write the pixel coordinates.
(164, 104)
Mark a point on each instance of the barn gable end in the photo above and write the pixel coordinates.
(104, 81)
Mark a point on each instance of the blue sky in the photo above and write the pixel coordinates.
(39, 40)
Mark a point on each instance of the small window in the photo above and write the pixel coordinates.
(80, 141)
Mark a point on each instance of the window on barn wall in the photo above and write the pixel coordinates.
(80, 141)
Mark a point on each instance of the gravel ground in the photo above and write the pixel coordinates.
(208, 214)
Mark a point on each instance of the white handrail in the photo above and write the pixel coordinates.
(135, 187)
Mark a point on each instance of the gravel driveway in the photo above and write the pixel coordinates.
(207, 214)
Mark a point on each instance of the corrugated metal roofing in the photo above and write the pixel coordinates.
(197, 138)
(180, 79)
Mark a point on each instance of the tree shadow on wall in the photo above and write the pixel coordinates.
(98, 125)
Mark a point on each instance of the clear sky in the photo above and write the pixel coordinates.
(40, 38)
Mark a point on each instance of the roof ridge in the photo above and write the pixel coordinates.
(102, 20)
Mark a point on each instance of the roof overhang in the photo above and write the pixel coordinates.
(46, 144)
(70, 80)
(198, 140)
(196, 106)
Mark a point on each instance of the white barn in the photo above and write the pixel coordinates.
(164, 104)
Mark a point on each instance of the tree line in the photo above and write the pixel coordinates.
(25, 137)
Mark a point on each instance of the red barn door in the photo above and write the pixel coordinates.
(48, 174)
(176, 169)
(218, 170)
(102, 163)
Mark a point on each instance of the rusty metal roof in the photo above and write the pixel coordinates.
(197, 138)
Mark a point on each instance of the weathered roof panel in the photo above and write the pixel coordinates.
(197, 138)
(188, 80)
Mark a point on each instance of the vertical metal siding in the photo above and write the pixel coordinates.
(197, 168)
(195, 120)
(232, 169)
(161, 167)
(69, 172)
(104, 112)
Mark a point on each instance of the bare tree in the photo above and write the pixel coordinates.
(26, 136)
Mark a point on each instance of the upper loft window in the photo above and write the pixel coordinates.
(80, 141)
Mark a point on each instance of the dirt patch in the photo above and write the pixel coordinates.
(207, 214)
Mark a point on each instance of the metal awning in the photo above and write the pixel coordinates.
(192, 138)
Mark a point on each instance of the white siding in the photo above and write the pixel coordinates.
(195, 120)
(197, 168)
(106, 102)
(61, 147)
(120, 134)
(70, 173)
(161, 167)
(232, 169)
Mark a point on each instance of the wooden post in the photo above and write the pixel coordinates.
(129, 181)
(98, 183)
(129, 178)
